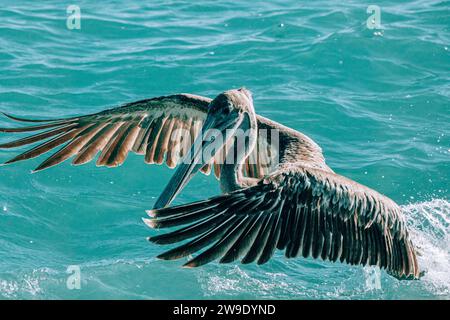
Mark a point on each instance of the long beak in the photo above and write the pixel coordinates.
(193, 161)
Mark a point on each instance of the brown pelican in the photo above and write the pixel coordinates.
(299, 205)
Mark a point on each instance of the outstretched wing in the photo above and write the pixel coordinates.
(162, 129)
(152, 127)
(303, 211)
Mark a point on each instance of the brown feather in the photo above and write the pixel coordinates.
(47, 146)
(163, 140)
(37, 120)
(71, 148)
(35, 128)
(108, 154)
(37, 137)
(124, 147)
(153, 139)
(141, 139)
(173, 151)
(141, 149)
(97, 142)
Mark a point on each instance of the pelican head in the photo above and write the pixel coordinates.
(230, 114)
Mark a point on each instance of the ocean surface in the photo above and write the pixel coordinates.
(376, 100)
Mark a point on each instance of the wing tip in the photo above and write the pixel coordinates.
(10, 161)
(151, 213)
(166, 256)
(7, 115)
(43, 166)
(193, 263)
(151, 239)
(189, 265)
(19, 119)
(150, 223)
(77, 161)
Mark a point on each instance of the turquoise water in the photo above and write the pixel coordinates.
(377, 101)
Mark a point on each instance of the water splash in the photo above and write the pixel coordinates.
(373, 278)
(429, 223)
(26, 285)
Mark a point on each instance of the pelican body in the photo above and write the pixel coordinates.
(297, 204)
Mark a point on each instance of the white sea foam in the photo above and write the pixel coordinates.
(429, 223)
(27, 285)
